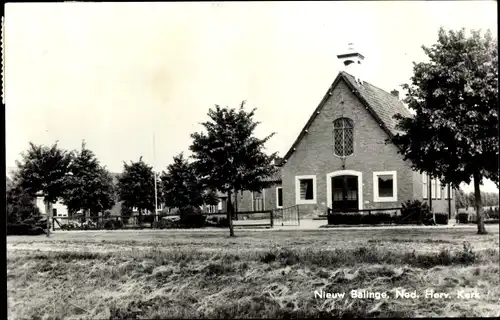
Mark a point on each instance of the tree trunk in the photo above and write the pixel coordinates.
(479, 209)
(140, 218)
(48, 210)
(429, 181)
(236, 204)
(230, 214)
(449, 201)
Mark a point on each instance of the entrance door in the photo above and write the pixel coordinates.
(258, 201)
(345, 194)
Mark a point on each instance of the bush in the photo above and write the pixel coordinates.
(162, 224)
(113, 224)
(360, 218)
(22, 229)
(462, 217)
(441, 218)
(220, 222)
(118, 224)
(192, 220)
(223, 222)
(414, 211)
(491, 221)
(493, 214)
(148, 218)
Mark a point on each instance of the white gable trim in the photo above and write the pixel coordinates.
(329, 177)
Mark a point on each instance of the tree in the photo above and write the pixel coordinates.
(136, 187)
(228, 157)
(461, 200)
(20, 205)
(90, 186)
(454, 133)
(182, 188)
(44, 170)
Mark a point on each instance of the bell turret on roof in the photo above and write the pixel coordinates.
(352, 59)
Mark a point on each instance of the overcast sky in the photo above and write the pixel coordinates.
(114, 73)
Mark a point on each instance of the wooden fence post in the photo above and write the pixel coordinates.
(272, 218)
(298, 215)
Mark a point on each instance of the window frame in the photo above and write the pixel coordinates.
(439, 189)
(433, 189)
(376, 197)
(298, 200)
(278, 198)
(425, 186)
(343, 136)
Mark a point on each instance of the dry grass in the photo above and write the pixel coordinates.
(167, 274)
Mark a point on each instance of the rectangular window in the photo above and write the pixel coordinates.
(433, 188)
(219, 205)
(54, 212)
(445, 192)
(279, 197)
(425, 187)
(305, 189)
(438, 189)
(385, 186)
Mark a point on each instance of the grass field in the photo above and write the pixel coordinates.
(258, 274)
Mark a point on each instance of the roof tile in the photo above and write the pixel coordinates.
(384, 104)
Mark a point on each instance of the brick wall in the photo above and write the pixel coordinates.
(314, 154)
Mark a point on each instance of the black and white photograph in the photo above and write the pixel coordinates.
(251, 160)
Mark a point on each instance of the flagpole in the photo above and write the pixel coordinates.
(154, 171)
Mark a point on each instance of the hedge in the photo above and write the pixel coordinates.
(383, 218)
(23, 229)
(359, 218)
(441, 218)
(462, 217)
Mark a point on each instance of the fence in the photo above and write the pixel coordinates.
(394, 216)
(287, 216)
(260, 218)
(98, 223)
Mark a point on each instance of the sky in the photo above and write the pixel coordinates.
(117, 74)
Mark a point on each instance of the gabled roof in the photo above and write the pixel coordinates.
(379, 103)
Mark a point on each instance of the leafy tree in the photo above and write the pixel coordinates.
(461, 199)
(44, 170)
(490, 199)
(454, 134)
(20, 205)
(228, 157)
(90, 186)
(182, 188)
(136, 187)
